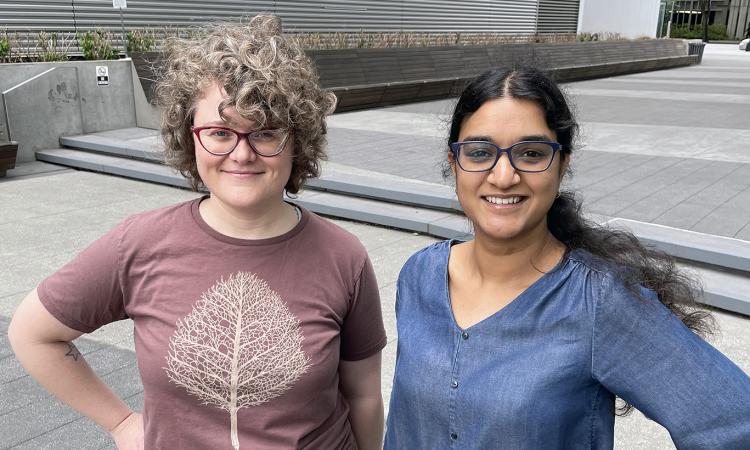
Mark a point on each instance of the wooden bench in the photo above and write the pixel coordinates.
(371, 77)
(365, 78)
(8, 151)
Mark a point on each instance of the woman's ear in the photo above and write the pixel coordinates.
(564, 161)
(452, 163)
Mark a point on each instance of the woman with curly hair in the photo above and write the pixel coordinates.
(522, 337)
(257, 324)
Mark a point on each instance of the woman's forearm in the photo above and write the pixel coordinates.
(366, 419)
(44, 347)
(61, 369)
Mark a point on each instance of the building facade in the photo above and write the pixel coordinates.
(733, 14)
(500, 16)
(630, 19)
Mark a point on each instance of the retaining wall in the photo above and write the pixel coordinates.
(64, 99)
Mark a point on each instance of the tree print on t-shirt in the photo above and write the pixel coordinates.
(240, 346)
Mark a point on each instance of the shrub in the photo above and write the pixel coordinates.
(4, 48)
(716, 32)
(51, 47)
(97, 45)
(140, 40)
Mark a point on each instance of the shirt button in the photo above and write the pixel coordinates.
(454, 384)
(454, 436)
(465, 335)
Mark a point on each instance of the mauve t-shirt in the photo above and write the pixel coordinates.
(225, 328)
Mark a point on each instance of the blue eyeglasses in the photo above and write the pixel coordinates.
(524, 156)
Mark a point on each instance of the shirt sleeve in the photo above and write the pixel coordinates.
(363, 333)
(87, 292)
(644, 354)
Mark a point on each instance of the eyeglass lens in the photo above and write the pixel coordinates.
(524, 156)
(222, 141)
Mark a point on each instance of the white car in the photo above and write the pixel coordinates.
(745, 45)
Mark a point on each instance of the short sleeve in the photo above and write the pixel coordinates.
(644, 354)
(363, 333)
(87, 292)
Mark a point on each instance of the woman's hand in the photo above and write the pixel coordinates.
(128, 435)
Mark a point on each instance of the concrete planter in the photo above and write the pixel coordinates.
(43, 101)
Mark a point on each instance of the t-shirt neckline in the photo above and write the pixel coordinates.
(206, 228)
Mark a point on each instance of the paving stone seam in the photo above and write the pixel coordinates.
(605, 179)
(742, 230)
(719, 180)
(46, 432)
(667, 183)
(747, 189)
(684, 193)
(602, 175)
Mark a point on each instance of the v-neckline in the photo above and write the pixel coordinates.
(502, 311)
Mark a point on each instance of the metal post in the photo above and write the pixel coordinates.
(124, 39)
(705, 14)
(669, 24)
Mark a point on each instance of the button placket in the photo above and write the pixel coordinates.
(453, 391)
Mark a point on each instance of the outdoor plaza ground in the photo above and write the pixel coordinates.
(668, 147)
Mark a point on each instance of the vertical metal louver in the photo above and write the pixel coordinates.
(502, 16)
(558, 16)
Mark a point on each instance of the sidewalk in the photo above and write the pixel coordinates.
(670, 147)
(647, 157)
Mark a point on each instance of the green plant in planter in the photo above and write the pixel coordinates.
(97, 45)
(4, 48)
(52, 47)
(140, 40)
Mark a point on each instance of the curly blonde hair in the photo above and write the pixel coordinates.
(268, 79)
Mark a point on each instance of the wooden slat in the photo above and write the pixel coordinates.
(8, 151)
(372, 75)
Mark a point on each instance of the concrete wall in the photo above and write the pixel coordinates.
(64, 101)
(146, 114)
(632, 18)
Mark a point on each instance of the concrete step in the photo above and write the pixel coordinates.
(350, 180)
(444, 224)
(688, 245)
(722, 288)
(132, 143)
(386, 200)
(98, 162)
(143, 145)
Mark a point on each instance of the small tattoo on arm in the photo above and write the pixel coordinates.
(73, 352)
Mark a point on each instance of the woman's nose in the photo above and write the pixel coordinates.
(243, 152)
(503, 174)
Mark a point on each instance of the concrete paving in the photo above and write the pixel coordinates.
(48, 219)
(670, 147)
(49, 214)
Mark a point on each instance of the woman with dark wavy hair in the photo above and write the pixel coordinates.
(522, 337)
(257, 324)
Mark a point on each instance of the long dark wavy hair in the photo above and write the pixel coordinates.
(638, 265)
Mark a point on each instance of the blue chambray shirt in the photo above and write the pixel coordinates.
(542, 372)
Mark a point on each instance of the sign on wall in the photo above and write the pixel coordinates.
(120, 3)
(102, 76)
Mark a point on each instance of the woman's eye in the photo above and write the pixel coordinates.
(218, 133)
(480, 153)
(263, 135)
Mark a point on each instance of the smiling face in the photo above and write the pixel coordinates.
(241, 181)
(503, 203)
